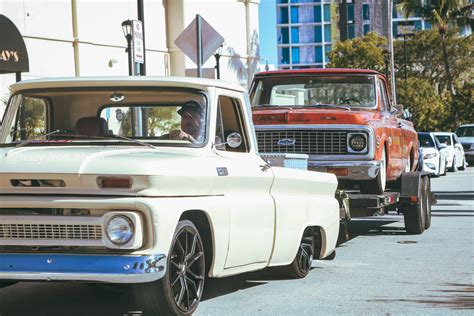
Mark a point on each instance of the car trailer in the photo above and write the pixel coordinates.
(411, 196)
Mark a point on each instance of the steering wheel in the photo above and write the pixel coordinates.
(348, 100)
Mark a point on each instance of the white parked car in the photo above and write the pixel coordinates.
(154, 182)
(465, 134)
(456, 159)
(434, 154)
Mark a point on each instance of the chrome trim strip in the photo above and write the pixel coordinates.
(84, 268)
(357, 170)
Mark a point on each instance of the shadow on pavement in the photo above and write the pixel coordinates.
(370, 227)
(459, 195)
(45, 299)
(456, 297)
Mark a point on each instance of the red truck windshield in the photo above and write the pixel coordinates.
(347, 91)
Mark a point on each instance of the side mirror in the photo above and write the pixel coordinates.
(398, 109)
(234, 140)
(442, 146)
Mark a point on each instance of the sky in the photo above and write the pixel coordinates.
(268, 31)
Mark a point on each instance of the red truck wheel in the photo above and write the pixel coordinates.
(378, 184)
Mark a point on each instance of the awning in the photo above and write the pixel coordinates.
(13, 54)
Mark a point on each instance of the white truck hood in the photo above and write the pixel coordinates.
(156, 172)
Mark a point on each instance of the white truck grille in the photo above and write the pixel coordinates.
(50, 231)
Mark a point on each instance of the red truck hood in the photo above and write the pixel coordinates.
(313, 116)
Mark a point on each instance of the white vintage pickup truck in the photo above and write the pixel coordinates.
(155, 182)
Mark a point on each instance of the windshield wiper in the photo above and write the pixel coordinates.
(130, 140)
(60, 133)
(28, 141)
(321, 105)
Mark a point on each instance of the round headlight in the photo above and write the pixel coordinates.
(357, 142)
(120, 230)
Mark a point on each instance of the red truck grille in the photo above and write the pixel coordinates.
(308, 142)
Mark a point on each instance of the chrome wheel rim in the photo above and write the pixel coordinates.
(186, 270)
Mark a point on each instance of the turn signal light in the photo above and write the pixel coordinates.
(338, 171)
(114, 182)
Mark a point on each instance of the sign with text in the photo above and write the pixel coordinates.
(137, 38)
(187, 41)
(13, 54)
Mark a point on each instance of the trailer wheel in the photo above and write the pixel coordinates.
(415, 214)
(426, 196)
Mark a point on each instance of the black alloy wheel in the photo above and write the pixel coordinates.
(186, 269)
(305, 255)
(301, 264)
(180, 290)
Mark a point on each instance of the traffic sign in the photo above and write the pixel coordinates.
(187, 41)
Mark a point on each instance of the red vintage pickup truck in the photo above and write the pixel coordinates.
(342, 118)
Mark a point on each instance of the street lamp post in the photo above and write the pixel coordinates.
(127, 32)
(217, 56)
(405, 31)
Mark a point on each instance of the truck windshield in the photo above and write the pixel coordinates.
(298, 91)
(170, 117)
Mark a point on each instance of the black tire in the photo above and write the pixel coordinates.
(331, 256)
(445, 168)
(5, 284)
(463, 166)
(426, 195)
(378, 184)
(301, 265)
(453, 168)
(180, 290)
(414, 215)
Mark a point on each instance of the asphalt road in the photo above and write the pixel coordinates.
(379, 270)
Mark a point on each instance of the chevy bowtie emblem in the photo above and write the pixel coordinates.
(286, 142)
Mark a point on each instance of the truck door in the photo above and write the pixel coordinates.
(394, 132)
(252, 210)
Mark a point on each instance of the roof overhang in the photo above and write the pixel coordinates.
(13, 54)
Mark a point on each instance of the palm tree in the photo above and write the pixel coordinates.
(442, 14)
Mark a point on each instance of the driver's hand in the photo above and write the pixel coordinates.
(179, 134)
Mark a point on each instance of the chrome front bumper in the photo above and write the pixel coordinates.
(82, 268)
(356, 170)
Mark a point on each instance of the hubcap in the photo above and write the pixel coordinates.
(186, 270)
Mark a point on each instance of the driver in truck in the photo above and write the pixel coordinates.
(192, 116)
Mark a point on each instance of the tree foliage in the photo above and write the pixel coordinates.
(442, 14)
(365, 52)
(427, 109)
(425, 58)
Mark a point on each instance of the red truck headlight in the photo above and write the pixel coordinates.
(357, 142)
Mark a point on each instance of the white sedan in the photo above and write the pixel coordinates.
(456, 159)
(434, 154)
